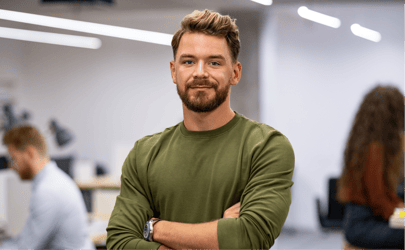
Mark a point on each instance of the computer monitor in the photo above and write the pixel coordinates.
(3, 162)
(15, 196)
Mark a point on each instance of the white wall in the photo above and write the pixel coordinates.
(312, 80)
(11, 73)
(108, 97)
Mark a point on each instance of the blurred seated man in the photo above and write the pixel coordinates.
(57, 214)
(373, 170)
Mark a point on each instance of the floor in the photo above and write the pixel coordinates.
(293, 239)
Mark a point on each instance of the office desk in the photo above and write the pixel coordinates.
(99, 240)
(104, 191)
(98, 233)
(100, 183)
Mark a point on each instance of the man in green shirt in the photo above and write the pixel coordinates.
(215, 180)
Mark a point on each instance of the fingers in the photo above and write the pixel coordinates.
(236, 208)
(232, 212)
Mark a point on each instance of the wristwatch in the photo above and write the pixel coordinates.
(148, 229)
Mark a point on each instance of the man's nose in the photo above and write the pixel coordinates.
(200, 71)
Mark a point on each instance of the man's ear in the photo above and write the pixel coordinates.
(236, 73)
(173, 71)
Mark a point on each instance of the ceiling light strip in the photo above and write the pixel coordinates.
(365, 33)
(88, 27)
(314, 16)
(264, 2)
(50, 38)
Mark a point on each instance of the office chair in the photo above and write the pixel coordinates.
(333, 220)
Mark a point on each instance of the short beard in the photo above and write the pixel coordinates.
(199, 106)
(26, 174)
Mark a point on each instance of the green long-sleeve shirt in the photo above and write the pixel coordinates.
(194, 176)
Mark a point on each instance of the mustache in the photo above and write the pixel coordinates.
(200, 82)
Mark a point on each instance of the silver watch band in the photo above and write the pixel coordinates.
(151, 228)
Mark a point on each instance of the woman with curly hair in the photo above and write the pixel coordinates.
(373, 170)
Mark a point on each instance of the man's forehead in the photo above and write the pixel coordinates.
(193, 44)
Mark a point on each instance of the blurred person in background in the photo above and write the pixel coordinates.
(57, 216)
(373, 171)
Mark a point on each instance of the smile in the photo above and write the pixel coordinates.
(201, 87)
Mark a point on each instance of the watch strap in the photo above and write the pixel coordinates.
(151, 224)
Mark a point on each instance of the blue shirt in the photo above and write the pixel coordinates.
(57, 214)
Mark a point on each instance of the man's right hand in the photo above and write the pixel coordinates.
(232, 212)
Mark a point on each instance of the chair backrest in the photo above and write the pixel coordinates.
(64, 163)
(335, 209)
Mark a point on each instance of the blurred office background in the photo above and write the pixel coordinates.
(301, 77)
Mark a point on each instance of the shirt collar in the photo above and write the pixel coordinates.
(210, 133)
(42, 173)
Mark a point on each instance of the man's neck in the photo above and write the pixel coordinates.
(40, 164)
(194, 121)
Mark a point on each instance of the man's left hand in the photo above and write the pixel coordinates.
(232, 212)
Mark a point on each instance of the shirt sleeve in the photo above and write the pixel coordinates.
(266, 198)
(131, 211)
(40, 225)
(378, 199)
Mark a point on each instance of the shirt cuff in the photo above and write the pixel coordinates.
(142, 244)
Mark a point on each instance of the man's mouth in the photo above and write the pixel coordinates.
(200, 87)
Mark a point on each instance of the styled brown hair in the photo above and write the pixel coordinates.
(22, 136)
(380, 119)
(210, 23)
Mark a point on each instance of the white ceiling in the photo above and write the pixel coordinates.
(35, 6)
(149, 14)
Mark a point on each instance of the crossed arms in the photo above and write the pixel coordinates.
(264, 205)
(174, 235)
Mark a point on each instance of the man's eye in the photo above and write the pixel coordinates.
(187, 62)
(215, 63)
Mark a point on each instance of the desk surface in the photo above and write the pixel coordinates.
(98, 233)
(99, 239)
(100, 182)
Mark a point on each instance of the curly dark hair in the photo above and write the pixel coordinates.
(380, 119)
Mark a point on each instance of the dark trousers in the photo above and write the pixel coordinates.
(364, 229)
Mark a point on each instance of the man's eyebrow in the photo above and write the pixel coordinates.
(186, 55)
(217, 57)
(209, 57)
